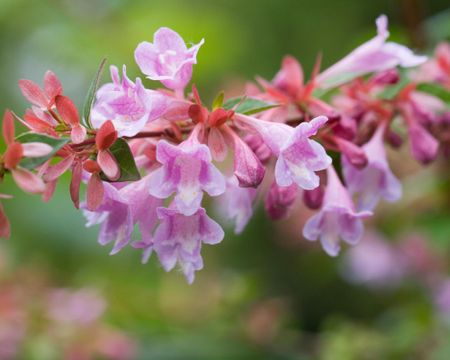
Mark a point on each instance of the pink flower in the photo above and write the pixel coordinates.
(376, 179)
(167, 59)
(178, 239)
(186, 170)
(236, 204)
(128, 105)
(373, 56)
(120, 210)
(298, 156)
(375, 262)
(81, 307)
(337, 219)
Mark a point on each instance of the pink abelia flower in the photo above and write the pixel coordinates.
(167, 59)
(298, 157)
(376, 179)
(337, 218)
(186, 170)
(375, 262)
(128, 105)
(114, 216)
(178, 239)
(120, 210)
(373, 56)
(236, 204)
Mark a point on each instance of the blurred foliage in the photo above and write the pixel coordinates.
(265, 294)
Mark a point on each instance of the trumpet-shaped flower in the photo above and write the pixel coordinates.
(128, 105)
(167, 59)
(374, 180)
(337, 218)
(236, 204)
(186, 170)
(373, 56)
(299, 157)
(178, 239)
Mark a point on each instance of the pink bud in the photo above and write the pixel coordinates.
(313, 198)
(352, 152)
(247, 167)
(279, 200)
(424, 146)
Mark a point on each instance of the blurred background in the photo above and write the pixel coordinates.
(267, 294)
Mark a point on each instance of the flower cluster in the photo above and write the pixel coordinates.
(151, 157)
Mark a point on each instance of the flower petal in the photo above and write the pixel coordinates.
(28, 181)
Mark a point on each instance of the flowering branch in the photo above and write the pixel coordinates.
(147, 157)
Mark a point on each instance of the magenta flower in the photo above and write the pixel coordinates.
(337, 219)
(373, 56)
(128, 105)
(298, 156)
(186, 170)
(178, 239)
(376, 179)
(167, 59)
(236, 204)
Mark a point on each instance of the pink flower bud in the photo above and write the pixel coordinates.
(279, 200)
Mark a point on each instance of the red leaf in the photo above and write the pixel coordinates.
(95, 192)
(8, 127)
(106, 136)
(75, 183)
(33, 93)
(67, 110)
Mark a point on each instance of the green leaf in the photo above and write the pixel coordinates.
(218, 101)
(435, 90)
(56, 144)
(122, 153)
(91, 95)
(247, 106)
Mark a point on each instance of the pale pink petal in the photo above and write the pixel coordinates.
(28, 181)
(108, 165)
(36, 149)
(55, 171)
